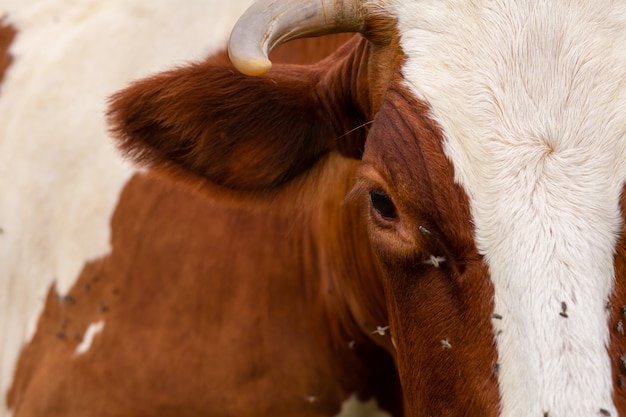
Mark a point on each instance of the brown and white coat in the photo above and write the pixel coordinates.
(484, 145)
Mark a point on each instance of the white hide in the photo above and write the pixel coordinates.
(59, 175)
(92, 331)
(352, 407)
(531, 97)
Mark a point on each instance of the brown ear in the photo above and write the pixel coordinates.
(245, 133)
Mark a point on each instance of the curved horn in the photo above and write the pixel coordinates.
(268, 23)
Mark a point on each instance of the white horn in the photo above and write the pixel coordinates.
(269, 23)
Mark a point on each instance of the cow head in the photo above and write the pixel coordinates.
(493, 146)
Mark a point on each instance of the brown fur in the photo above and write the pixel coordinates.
(617, 309)
(218, 316)
(7, 35)
(309, 51)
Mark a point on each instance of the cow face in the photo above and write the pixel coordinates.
(529, 106)
(493, 146)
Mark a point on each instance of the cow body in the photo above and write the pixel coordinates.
(180, 331)
(56, 217)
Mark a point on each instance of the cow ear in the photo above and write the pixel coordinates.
(245, 133)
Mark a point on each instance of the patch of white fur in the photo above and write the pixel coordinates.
(352, 407)
(60, 177)
(92, 331)
(531, 97)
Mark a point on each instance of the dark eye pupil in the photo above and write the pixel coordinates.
(383, 205)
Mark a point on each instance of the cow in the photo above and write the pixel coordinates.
(474, 154)
(123, 329)
(492, 146)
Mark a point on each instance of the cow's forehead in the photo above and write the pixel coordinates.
(531, 100)
(525, 74)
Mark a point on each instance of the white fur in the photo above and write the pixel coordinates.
(60, 177)
(353, 407)
(531, 97)
(92, 331)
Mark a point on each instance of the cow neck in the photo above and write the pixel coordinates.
(237, 272)
(349, 280)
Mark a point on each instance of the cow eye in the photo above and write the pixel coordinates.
(383, 205)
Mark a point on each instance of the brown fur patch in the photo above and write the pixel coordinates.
(616, 307)
(7, 35)
(214, 308)
(309, 51)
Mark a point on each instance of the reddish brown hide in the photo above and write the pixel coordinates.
(215, 316)
(309, 51)
(7, 34)
(617, 321)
